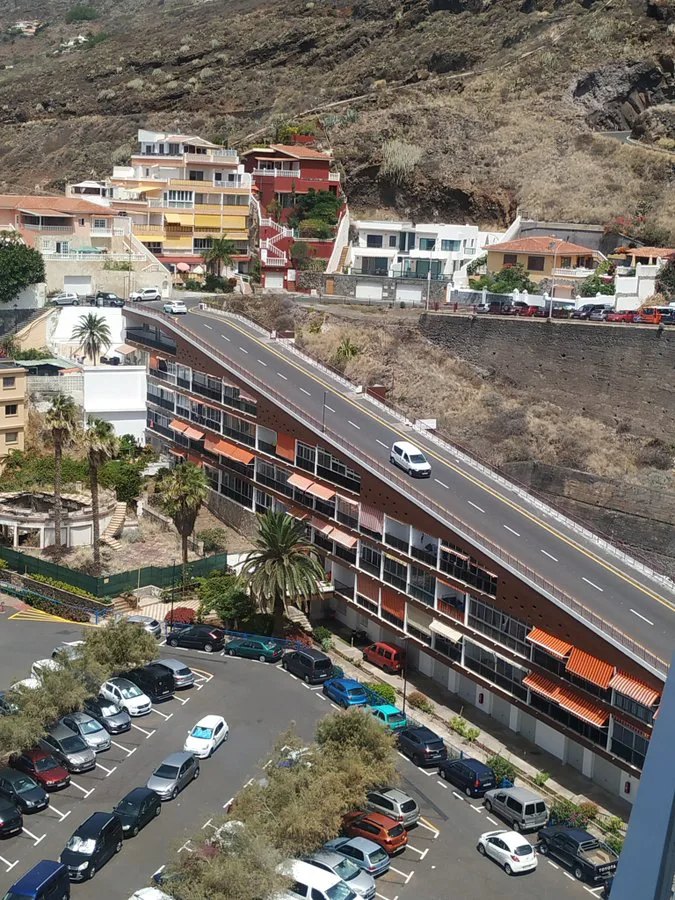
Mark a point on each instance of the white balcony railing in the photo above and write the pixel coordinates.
(573, 273)
(92, 257)
(333, 176)
(294, 173)
(103, 232)
(52, 229)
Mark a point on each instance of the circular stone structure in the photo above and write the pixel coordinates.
(30, 514)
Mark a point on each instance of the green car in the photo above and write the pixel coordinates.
(390, 716)
(264, 649)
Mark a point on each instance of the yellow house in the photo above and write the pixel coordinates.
(12, 409)
(544, 257)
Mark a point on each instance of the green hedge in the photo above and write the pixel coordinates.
(386, 691)
(64, 586)
(56, 609)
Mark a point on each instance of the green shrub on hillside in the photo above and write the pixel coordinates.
(81, 12)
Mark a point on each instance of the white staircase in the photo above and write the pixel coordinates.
(138, 247)
(115, 526)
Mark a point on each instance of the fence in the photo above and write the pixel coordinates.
(109, 585)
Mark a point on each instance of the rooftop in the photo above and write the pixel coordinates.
(48, 205)
(544, 245)
(292, 150)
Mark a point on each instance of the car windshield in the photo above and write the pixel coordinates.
(109, 709)
(396, 830)
(22, 785)
(165, 771)
(322, 664)
(90, 726)
(396, 717)
(378, 856)
(346, 869)
(129, 691)
(127, 806)
(78, 844)
(417, 458)
(43, 765)
(524, 850)
(73, 744)
(201, 732)
(340, 891)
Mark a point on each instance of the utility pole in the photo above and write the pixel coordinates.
(323, 412)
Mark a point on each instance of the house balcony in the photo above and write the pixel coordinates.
(49, 229)
(102, 232)
(579, 273)
(296, 174)
(147, 229)
(211, 155)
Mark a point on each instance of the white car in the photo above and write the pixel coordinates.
(206, 736)
(68, 650)
(510, 849)
(150, 893)
(145, 294)
(125, 694)
(410, 458)
(66, 298)
(42, 665)
(177, 307)
(26, 683)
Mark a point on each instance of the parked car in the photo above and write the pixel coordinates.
(7, 706)
(385, 656)
(588, 858)
(66, 298)
(198, 637)
(11, 820)
(262, 649)
(108, 298)
(345, 692)
(394, 803)
(68, 649)
(173, 774)
(155, 681)
(509, 849)
(367, 855)
(22, 790)
(47, 880)
(422, 745)
(44, 665)
(600, 313)
(472, 776)
(175, 307)
(136, 809)
(313, 666)
(146, 294)
(91, 730)
(92, 845)
(115, 719)
(43, 767)
(584, 312)
(148, 624)
(410, 458)
(68, 747)
(183, 676)
(622, 315)
(206, 736)
(127, 695)
(356, 878)
(390, 716)
(520, 807)
(382, 830)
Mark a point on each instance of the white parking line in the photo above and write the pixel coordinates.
(442, 483)
(442, 784)
(381, 443)
(422, 853)
(402, 755)
(490, 819)
(106, 770)
(229, 802)
(9, 865)
(592, 585)
(330, 409)
(206, 824)
(207, 326)
(186, 846)
(305, 392)
(354, 425)
(282, 376)
(262, 363)
(121, 747)
(147, 734)
(58, 812)
(552, 864)
(320, 696)
(549, 556)
(478, 809)
(182, 700)
(512, 530)
(382, 897)
(402, 874)
(84, 790)
(163, 715)
(459, 796)
(225, 338)
(335, 706)
(475, 506)
(161, 869)
(567, 875)
(36, 840)
(429, 827)
(162, 643)
(594, 891)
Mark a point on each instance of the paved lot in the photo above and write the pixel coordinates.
(258, 701)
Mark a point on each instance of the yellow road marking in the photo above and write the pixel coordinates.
(429, 825)
(208, 675)
(37, 616)
(497, 496)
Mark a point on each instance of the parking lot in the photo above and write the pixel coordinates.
(258, 701)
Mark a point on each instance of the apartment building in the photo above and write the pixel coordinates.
(478, 629)
(546, 257)
(12, 409)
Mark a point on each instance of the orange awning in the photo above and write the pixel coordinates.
(176, 425)
(642, 731)
(368, 587)
(634, 689)
(300, 482)
(542, 685)
(193, 433)
(590, 668)
(553, 645)
(231, 451)
(582, 708)
(393, 603)
(286, 446)
(343, 538)
(318, 490)
(181, 454)
(322, 527)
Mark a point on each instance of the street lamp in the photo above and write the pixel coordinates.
(555, 247)
(405, 671)
(173, 588)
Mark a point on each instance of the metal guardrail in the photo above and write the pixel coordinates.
(658, 665)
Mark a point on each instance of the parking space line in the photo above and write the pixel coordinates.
(147, 734)
(459, 796)
(320, 696)
(162, 643)
(229, 803)
(422, 853)
(108, 772)
(442, 784)
(80, 788)
(58, 812)
(567, 875)
(159, 871)
(490, 819)
(36, 840)
(477, 809)
(165, 716)
(552, 864)
(593, 890)
(426, 824)
(335, 706)
(186, 846)
(122, 747)
(402, 874)
(9, 865)
(202, 674)
(382, 897)
(181, 700)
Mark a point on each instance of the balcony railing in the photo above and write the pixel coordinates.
(294, 173)
(397, 542)
(579, 272)
(102, 232)
(161, 401)
(424, 555)
(368, 566)
(346, 590)
(211, 155)
(52, 229)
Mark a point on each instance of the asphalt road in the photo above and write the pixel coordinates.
(635, 605)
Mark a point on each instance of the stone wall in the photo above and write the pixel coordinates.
(229, 512)
(615, 373)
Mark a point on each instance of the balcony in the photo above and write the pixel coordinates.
(101, 232)
(161, 401)
(211, 155)
(151, 339)
(345, 590)
(424, 554)
(396, 542)
(575, 273)
(147, 229)
(49, 229)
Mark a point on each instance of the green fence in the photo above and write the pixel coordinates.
(110, 585)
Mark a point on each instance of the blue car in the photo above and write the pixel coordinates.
(345, 692)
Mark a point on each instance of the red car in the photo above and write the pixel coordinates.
(622, 315)
(45, 769)
(387, 833)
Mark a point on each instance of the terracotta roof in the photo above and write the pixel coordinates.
(590, 668)
(296, 151)
(555, 646)
(62, 204)
(543, 245)
(661, 252)
(634, 689)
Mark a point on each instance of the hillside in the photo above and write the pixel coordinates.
(503, 99)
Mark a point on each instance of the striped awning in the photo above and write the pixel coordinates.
(371, 518)
(634, 689)
(193, 433)
(286, 446)
(631, 726)
(590, 668)
(229, 451)
(542, 685)
(583, 708)
(346, 540)
(418, 618)
(393, 603)
(177, 425)
(321, 527)
(368, 588)
(318, 490)
(553, 645)
(299, 482)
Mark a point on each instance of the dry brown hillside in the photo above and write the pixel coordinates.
(503, 99)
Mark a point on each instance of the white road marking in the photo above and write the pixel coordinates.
(121, 747)
(592, 890)
(358, 427)
(442, 784)
(162, 643)
(490, 819)
(58, 812)
(475, 505)
(84, 790)
(36, 840)
(552, 864)
(550, 556)
(225, 337)
(230, 801)
(9, 865)
(381, 443)
(640, 616)
(381, 896)
(567, 875)
(478, 809)
(206, 824)
(459, 796)
(182, 700)
(402, 755)
(329, 408)
(161, 869)
(243, 350)
(402, 874)
(163, 715)
(148, 734)
(422, 853)
(441, 483)
(591, 584)
(186, 846)
(321, 696)
(262, 363)
(282, 376)
(305, 392)
(106, 769)
(335, 706)
(207, 326)
(512, 531)
(430, 828)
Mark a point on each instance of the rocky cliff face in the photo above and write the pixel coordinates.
(615, 96)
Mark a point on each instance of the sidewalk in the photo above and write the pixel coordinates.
(528, 759)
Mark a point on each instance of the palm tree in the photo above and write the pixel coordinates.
(283, 567)
(219, 254)
(101, 444)
(93, 334)
(183, 491)
(61, 421)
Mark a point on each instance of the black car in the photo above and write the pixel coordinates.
(154, 680)
(107, 298)
(471, 775)
(6, 706)
(422, 745)
(114, 719)
(313, 666)
(22, 790)
(92, 845)
(11, 820)
(198, 637)
(137, 809)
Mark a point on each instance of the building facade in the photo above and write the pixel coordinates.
(545, 258)
(399, 573)
(12, 409)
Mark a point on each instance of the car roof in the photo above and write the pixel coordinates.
(313, 654)
(35, 753)
(138, 793)
(307, 873)
(94, 823)
(386, 708)
(139, 618)
(348, 682)
(79, 716)
(378, 818)
(60, 731)
(119, 682)
(360, 843)
(329, 857)
(425, 733)
(210, 721)
(38, 875)
(520, 793)
(175, 759)
(407, 447)
(472, 763)
(394, 794)
(173, 664)
(577, 833)
(7, 805)
(11, 774)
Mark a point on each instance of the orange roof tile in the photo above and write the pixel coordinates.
(542, 245)
(590, 668)
(661, 252)
(46, 203)
(296, 151)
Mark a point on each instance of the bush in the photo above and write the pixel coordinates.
(3, 564)
(124, 477)
(181, 615)
(565, 812)
(385, 692)
(324, 637)
(468, 732)
(64, 586)
(399, 160)
(213, 539)
(614, 825)
(419, 701)
(502, 767)
(81, 12)
(589, 810)
(541, 778)
(615, 842)
(656, 454)
(55, 609)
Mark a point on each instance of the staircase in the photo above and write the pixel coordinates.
(114, 528)
(343, 259)
(121, 607)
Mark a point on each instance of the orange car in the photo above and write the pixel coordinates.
(387, 833)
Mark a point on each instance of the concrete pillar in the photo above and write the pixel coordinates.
(514, 718)
(15, 539)
(453, 678)
(587, 762)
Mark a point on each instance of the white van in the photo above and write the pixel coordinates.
(310, 881)
(410, 458)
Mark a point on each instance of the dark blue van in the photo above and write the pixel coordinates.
(48, 880)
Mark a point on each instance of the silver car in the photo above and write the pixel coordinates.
(395, 804)
(173, 774)
(359, 881)
(183, 676)
(69, 748)
(91, 731)
(150, 625)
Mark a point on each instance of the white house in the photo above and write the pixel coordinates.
(117, 394)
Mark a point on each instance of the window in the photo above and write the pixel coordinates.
(423, 636)
(305, 457)
(100, 223)
(566, 262)
(535, 263)
(274, 477)
(8, 381)
(395, 573)
(11, 409)
(374, 240)
(392, 240)
(427, 244)
(456, 563)
(628, 745)
(510, 259)
(451, 246)
(632, 708)
(334, 470)
(370, 559)
(500, 626)
(451, 649)
(422, 585)
(237, 489)
(202, 243)
(596, 735)
(11, 437)
(495, 669)
(195, 176)
(239, 429)
(366, 603)
(549, 662)
(174, 149)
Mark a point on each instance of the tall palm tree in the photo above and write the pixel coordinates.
(284, 566)
(101, 444)
(219, 254)
(93, 334)
(61, 421)
(183, 491)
